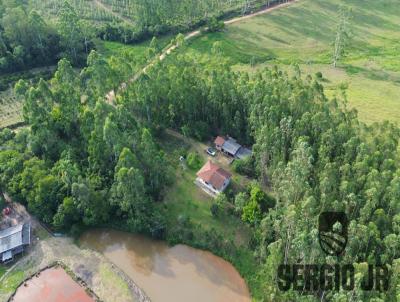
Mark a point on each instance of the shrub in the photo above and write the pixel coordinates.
(194, 161)
(244, 166)
(214, 210)
(318, 75)
(213, 25)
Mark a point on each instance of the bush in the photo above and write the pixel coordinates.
(213, 25)
(194, 161)
(318, 75)
(214, 210)
(2, 202)
(244, 166)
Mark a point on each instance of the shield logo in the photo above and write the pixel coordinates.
(333, 228)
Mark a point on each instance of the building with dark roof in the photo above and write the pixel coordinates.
(231, 147)
(13, 241)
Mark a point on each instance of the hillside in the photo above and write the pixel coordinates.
(304, 33)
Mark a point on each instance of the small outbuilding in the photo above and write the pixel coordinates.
(231, 147)
(14, 240)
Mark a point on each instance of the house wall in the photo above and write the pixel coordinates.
(226, 183)
(211, 188)
(227, 152)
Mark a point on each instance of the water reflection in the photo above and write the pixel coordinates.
(178, 273)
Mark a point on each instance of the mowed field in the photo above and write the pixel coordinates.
(303, 33)
(10, 109)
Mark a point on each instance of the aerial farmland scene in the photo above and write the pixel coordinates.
(199, 150)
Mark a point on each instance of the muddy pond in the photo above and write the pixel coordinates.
(169, 274)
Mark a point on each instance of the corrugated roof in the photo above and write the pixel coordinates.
(243, 153)
(231, 146)
(14, 237)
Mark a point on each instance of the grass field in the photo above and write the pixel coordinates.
(303, 33)
(2, 271)
(108, 48)
(184, 198)
(10, 109)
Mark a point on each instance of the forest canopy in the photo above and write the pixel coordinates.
(84, 162)
(27, 40)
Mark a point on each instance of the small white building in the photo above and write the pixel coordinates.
(13, 241)
(212, 178)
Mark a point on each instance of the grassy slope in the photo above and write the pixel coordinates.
(185, 198)
(108, 48)
(10, 109)
(303, 33)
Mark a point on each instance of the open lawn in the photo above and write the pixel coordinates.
(184, 198)
(108, 48)
(10, 109)
(2, 270)
(303, 33)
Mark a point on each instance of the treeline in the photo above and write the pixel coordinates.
(311, 151)
(155, 18)
(27, 40)
(83, 162)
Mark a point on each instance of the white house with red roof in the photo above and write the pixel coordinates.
(212, 178)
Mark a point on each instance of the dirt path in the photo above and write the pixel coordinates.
(108, 9)
(110, 97)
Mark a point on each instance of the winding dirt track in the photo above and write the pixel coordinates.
(111, 95)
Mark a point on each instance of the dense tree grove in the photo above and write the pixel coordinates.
(27, 40)
(130, 21)
(311, 151)
(85, 162)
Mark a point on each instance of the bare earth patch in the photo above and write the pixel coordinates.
(100, 275)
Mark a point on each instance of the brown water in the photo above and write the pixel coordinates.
(170, 274)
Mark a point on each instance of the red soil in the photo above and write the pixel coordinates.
(52, 285)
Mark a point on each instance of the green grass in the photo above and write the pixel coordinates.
(184, 198)
(108, 48)
(12, 281)
(10, 109)
(303, 33)
(2, 271)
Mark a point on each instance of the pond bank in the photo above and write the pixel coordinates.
(169, 274)
(106, 281)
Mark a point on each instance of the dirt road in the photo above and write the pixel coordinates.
(111, 95)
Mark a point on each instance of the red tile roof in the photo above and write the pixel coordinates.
(214, 175)
(219, 141)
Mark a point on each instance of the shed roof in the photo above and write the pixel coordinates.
(243, 153)
(231, 146)
(14, 237)
(219, 141)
